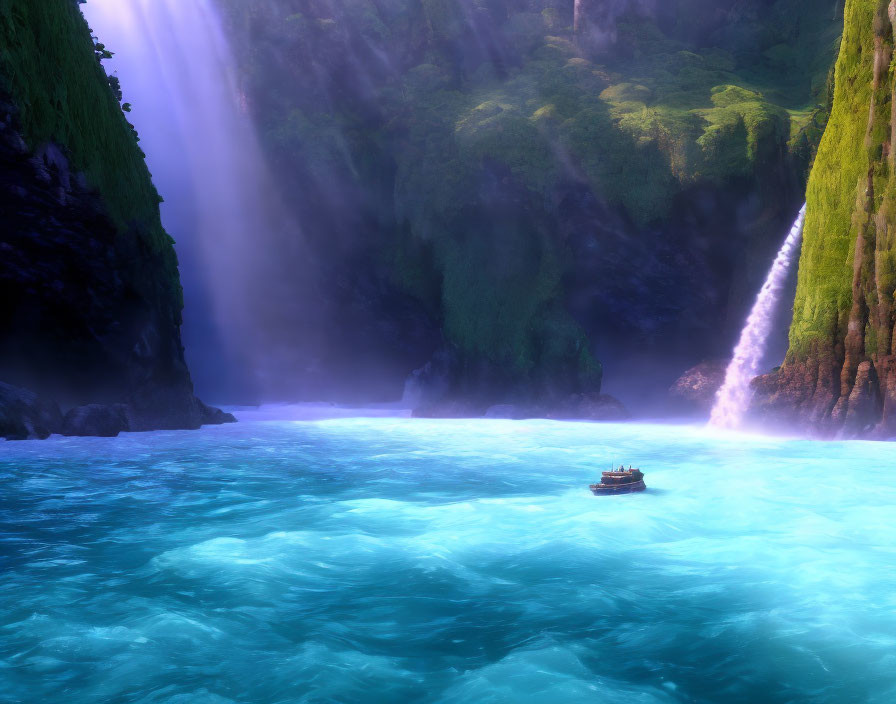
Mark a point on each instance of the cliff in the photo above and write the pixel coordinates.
(90, 299)
(539, 209)
(839, 377)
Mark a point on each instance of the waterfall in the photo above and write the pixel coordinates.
(733, 398)
(178, 71)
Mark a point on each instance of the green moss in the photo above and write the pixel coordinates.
(500, 305)
(48, 64)
(837, 182)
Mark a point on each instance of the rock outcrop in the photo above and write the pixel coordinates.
(838, 378)
(96, 419)
(25, 415)
(90, 298)
(695, 390)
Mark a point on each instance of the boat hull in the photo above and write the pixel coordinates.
(605, 489)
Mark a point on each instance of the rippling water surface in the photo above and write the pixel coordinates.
(396, 560)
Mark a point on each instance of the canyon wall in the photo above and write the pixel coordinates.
(90, 298)
(839, 378)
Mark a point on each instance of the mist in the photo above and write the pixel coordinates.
(220, 202)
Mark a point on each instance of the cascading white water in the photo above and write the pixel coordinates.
(177, 69)
(733, 398)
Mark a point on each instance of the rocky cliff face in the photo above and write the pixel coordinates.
(840, 374)
(90, 299)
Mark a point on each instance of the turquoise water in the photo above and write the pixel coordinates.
(396, 560)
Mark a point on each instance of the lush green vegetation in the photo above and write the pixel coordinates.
(482, 110)
(50, 65)
(851, 197)
(473, 123)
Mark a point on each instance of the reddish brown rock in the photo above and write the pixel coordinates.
(697, 387)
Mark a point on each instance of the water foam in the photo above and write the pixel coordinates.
(350, 566)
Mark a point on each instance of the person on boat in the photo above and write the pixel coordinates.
(622, 468)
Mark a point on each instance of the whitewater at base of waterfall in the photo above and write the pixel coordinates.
(733, 398)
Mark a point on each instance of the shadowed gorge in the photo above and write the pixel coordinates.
(534, 211)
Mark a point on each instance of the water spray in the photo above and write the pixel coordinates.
(733, 399)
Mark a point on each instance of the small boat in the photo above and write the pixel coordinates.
(621, 481)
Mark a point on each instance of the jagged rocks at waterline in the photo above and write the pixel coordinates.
(96, 420)
(210, 415)
(108, 420)
(24, 415)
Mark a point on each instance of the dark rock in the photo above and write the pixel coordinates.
(799, 397)
(864, 404)
(214, 416)
(431, 383)
(91, 307)
(25, 415)
(105, 421)
(696, 389)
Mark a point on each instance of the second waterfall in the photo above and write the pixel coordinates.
(733, 399)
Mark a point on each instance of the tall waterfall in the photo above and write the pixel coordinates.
(733, 398)
(178, 71)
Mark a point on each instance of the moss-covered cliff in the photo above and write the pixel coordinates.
(840, 372)
(548, 195)
(90, 299)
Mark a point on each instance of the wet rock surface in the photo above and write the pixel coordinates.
(96, 420)
(696, 389)
(25, 415)
(214, 416)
